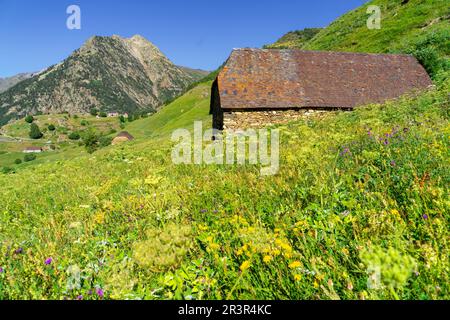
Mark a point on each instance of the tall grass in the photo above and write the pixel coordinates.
(359, 210)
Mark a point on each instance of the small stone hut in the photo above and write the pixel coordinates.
(124, 136)
(33, 150)
(258, 87)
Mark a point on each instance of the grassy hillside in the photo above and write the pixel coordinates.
(418, 27)
(295, 39)
(358, 210)
(181, 113)
(64, 123)
(402, 23)
(15, 137)
(131, 223)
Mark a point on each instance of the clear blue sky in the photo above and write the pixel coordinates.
(193, 33)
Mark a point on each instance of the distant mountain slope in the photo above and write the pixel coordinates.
(106, 73)
(196, 74)
(8, 82)
(294, 39)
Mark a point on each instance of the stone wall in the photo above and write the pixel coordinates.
(258, 119)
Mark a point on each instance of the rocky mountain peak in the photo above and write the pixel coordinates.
(106, 73)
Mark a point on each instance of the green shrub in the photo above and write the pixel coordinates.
(29, 157)
(430, 60)
(18, 161)
(29, 119)
(51, 127)
(35, 132)
(84, 123)
(94, 112)
(74, 136)
(7, 170)
(103, 114)
(428, 52)
(105, 141)
(91, 141)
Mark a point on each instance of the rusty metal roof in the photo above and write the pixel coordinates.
(271, 79)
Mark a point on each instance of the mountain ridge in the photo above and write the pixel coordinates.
(105, 73)
(9, 82)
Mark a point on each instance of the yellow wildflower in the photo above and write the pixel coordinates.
(214, 246)
(316, 284)
(245, 266)
(286, 247)
(297, 277)
(295, 264)
(99, 218)
(267, 259)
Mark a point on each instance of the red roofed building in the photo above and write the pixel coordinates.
(33, 150)
(276, 85)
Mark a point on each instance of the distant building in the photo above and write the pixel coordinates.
(33, 150)
(122, 137)
(113, 114)
(259, 87)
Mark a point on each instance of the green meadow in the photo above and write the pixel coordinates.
(358, 210)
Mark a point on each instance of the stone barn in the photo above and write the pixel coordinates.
(261, 87)
(122, 137)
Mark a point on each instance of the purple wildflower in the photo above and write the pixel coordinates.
(18, 251)
(90, 292)
(100, 292)
(393, 163)
(345, 151)
(386, 142)
(405, 130)
(2, 270)
(204, 211)
(425, 216)
(48, 261)
(80, 297)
